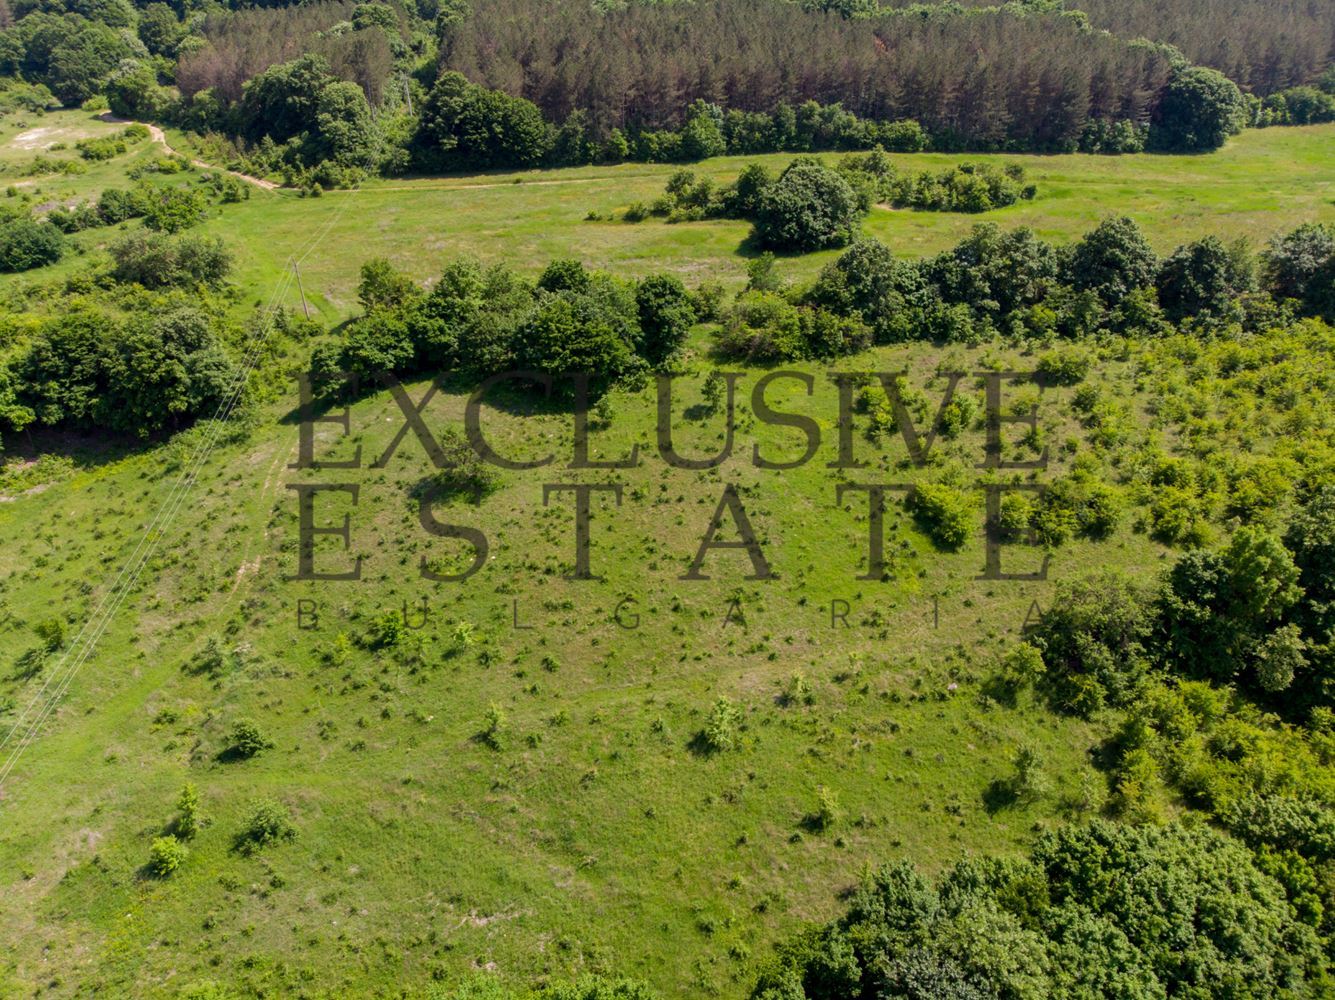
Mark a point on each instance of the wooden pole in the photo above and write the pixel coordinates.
(304, 307)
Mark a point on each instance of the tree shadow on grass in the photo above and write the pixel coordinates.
(84, 450)
(999, 795)
(700, 745)
(515, 398)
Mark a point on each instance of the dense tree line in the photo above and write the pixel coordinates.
(608, 98)
(1303, 105)
(1263, 45)
(146, 356)
(1100, 910)
(1013, 284)
(359, 41)
(92, 369)
(478, 322)
(376, 85)
(1140, 909)
(990, 80)
(26, 243)
(809, 205)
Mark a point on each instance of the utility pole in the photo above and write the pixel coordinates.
(297, 271)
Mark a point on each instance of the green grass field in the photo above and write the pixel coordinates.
(1261, 183)
(595, 838)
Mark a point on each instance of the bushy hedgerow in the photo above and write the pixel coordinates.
(480, 322)
(997, 283)
(1303, 105)
(157, 260)
(765, 328)
(139, 375)
(873, 178)
(965, 187)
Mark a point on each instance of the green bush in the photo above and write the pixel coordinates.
(100, 149)
(1203, 278)
(169, 210)
(1113, 260)
(464, 475)
(720, 733)
(378, 343)
(827, 813)
(1197, 112)
(156, 260)
(115, 205)
(1300, 265)
(965, 187)
(269, 823)
(494, 728)
(944, 513)
(762, 328)
(165, 856)
(1093, 640)
(1068, 366)
(1015, 514)
(1027, 781)
(244, 739)
(26, 243)
(1223, 612)
(188, 820)
(576, 332)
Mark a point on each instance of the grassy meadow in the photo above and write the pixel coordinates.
(1262, 182)
(588, 831)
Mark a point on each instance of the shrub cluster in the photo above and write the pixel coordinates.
(965, 187)
(477, 322)
(139, 374)
(26, 243)
(1258, 613)
(1305, 105)
(1087, 914)
(810, 206)
(1014, 284)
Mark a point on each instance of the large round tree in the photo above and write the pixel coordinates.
(1198, 110)
(809, 207)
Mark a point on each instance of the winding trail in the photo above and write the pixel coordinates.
(160, 138)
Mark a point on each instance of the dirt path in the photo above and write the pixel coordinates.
(160, 138)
